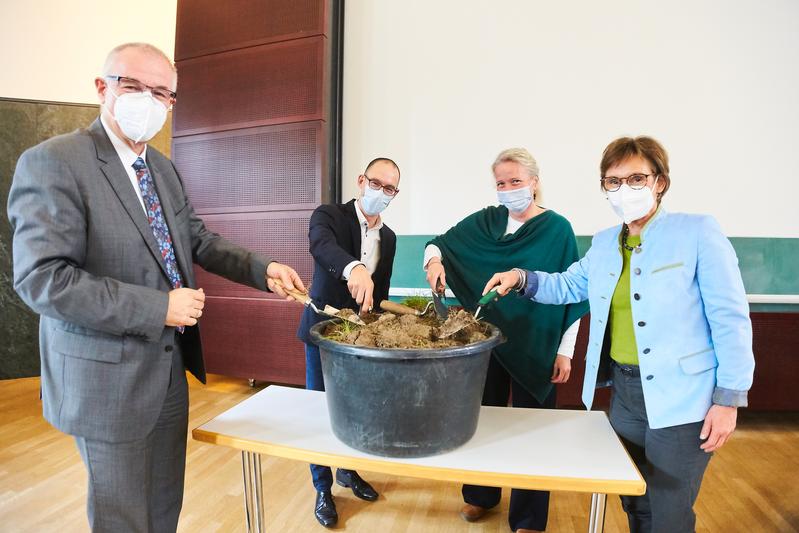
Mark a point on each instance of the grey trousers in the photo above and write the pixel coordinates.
(137, 486)
(669, 459)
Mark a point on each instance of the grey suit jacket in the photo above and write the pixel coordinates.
(86, 260)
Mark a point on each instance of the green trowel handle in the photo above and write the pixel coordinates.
(490, 297)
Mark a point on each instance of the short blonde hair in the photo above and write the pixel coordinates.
(146, 47)
(523, 158)
(517, 155)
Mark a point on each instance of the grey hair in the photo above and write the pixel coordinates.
(146, 47)
(517, 155)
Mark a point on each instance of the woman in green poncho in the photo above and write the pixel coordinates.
(518, 233)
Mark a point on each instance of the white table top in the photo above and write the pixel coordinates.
(522, 448)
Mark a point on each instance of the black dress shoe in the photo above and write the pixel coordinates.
(325, 509)
(351, 479)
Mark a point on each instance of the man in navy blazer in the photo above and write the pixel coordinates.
(353, 255)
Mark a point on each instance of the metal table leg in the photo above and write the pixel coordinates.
(596, 519)
(253, 492)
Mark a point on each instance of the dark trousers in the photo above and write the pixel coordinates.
(322, 475)
(529, 509)
(137, 486)
(669, 459)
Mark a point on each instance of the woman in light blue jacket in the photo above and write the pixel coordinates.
(670, 330)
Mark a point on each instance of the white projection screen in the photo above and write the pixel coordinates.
(442, 86)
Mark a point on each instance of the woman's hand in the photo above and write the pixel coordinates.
(719, 425)
(502, 282)
(562, 369)
(436, 276)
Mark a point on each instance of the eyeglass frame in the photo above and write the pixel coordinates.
(382, 187)
(625, 180)
(172, 95)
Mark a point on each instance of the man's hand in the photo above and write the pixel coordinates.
(719, 425)
(562, 369)
(502, 282)
(185, 307)
(436, 276)
(287, 275)
(361, 287)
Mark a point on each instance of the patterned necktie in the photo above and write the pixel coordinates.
(156, 218)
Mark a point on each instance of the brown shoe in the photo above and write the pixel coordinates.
(528, 531)
(473, 513)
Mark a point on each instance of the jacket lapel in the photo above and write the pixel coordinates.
(112, 168)
(355, 228)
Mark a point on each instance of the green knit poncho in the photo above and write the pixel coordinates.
(476, 248)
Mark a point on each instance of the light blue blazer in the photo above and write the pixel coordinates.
(689, 308)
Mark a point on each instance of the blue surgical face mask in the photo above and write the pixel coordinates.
(516, 200)
(373, 202)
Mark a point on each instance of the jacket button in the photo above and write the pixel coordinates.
(168, 348)
(646, 351)
(642, 323)
(637, 296)
(638, 249)
(649, 377)
(637, 271)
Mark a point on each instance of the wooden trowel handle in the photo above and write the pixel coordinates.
(294, 293)
(400, 309)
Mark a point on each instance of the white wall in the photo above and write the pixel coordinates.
(53, 49)
(443, 86)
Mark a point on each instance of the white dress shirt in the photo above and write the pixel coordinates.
(128, 157)
(370, 244)
(569, 338)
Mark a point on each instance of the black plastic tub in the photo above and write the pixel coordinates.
(404, 403)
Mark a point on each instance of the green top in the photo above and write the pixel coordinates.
(623, 348)
(476, 248)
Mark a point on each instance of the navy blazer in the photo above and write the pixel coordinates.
(334, 235)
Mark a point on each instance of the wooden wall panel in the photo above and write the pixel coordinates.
(205, 26)
(256, 139)
(255, 169)
(282, 236)
(776, 368)
(253, 339)
(262, 85)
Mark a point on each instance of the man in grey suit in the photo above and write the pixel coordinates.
(104, 241)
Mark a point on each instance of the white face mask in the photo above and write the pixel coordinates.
(373, 202)
(631, 204)
(516, 200)
(139, 115)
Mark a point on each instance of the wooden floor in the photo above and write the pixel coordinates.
(751, 485)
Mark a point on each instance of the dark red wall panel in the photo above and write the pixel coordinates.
(283, 236)
(257, 86)
(256, 169)
(256, 142)
(253, 339)
(208, 26)
(776, 348)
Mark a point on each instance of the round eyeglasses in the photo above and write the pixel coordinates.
(388, 190)
(635, 181)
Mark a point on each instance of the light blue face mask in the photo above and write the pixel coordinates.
(373, 202)
(516, 200)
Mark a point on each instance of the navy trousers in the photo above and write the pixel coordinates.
(529, 509)
(322, 475)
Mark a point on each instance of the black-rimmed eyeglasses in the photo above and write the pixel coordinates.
(635, 181)
(132, 85)
(388, 190)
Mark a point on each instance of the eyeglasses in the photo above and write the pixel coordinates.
(132, 85)
(635, 181)
(375, 185)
